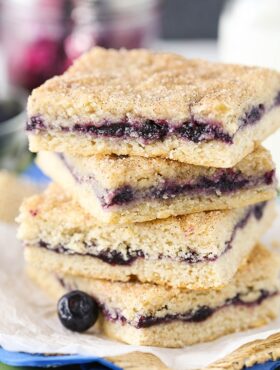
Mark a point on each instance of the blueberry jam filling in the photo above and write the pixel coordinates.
(256, 211)
(121, 196)
(197, 131)
(226, 182)
(277, 100)
(116, 258)
(253, 116)
(108, 130)
(150, 130)
(111, 257)
(222, 182)
(201, 314)
(36, 123)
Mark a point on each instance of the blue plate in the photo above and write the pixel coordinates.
(34, 173)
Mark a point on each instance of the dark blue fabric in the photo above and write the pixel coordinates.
(270, 365)
(37, 360)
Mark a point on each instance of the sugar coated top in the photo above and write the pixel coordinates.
(136, 85)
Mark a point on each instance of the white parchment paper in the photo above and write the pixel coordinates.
(28, 319)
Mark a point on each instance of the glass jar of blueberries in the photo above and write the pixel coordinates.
(40, 38)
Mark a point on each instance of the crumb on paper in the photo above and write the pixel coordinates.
(13, 190)
(275, 244)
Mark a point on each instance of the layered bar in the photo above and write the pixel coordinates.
(134, 189)
(197, 251)
(146, 314)
(153, 104)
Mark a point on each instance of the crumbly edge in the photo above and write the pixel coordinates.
(138, 361)
(108, 85)
(220, 323)
(55, 218)
(249, 354)
(259, 271)
(209, 154)
(113, 172)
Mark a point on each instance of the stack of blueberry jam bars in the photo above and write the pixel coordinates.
(161, 192)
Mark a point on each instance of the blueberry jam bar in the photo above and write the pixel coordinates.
(147, 314)
(200, 250)
(136, 189)
(154, 104)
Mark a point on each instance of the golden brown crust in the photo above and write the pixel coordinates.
(138, 361)
(109, 85)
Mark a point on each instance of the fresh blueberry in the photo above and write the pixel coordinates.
(77, 311)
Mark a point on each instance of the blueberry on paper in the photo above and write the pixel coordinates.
(77, 311)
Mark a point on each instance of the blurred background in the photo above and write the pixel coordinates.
(41, 38)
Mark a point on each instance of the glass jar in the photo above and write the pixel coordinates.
(249, 32)
(40, 38)
(33, 35)
(113, 24)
